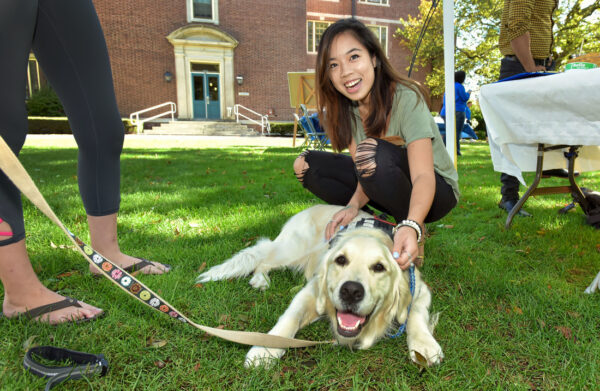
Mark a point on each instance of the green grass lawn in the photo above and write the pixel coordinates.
(513, 312)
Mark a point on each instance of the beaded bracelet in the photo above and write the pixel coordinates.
(412, 224)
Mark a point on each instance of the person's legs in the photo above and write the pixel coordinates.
(327, 175)
(510, 184)
(460, 122)
(70, 45)
(384, 175)
(22, 289)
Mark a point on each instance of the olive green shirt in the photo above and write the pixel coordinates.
(411, 120)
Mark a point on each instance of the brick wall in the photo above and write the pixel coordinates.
(272, 42)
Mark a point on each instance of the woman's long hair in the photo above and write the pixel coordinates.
(335, 110)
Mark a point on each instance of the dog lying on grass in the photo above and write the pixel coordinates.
(353, 281)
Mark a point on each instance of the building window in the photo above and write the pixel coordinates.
(381, 34)
(34, 81)
(314, 32)
(376, 2)
(203, 11)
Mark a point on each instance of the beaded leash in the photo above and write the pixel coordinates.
(19, 176)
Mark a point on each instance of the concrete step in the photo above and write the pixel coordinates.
(202, 128)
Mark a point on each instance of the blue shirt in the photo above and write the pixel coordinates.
(461, 99)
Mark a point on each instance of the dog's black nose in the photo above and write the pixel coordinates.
(352, 292)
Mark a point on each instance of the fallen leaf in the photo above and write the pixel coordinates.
(421, 360)
(517, 310)
(202, 267)
(159, 364)
(67, 274)
(565, 331)
(196, 367)
(156, 343)
(573, 314)
(541, 323)
(198, 286)
(29, 343)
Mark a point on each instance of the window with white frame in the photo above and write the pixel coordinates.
(314, 32)
(203, 11)
(35, 79)
(377, 2)
(381, 34)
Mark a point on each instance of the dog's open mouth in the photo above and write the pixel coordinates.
(350, 324)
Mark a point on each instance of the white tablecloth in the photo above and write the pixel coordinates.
(557, 109)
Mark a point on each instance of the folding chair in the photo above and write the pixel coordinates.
(315, 138)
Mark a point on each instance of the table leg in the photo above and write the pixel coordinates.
(531, 189)
(573, 188)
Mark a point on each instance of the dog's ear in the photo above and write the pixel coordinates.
(401, 294)
(321, 276)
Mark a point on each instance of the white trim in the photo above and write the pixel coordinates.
(375, 4)
(338, 16)
(387, 36)
(202, 44)
(215, 12)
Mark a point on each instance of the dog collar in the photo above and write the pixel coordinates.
(370, 222)
(84, 364)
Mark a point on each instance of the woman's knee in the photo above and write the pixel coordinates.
(301, 166)
(365, 157)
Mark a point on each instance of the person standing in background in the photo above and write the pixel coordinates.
(461, 97)
(526, 43)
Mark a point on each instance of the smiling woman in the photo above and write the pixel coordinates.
(398, 163)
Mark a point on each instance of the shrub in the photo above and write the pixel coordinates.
(285, 129)
(45, 102)
(480, 129)
(60, 125)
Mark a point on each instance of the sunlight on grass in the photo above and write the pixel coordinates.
(513, 312)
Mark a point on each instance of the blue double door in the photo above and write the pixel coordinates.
(206, 95)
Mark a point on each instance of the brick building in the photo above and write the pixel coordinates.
(208, 55)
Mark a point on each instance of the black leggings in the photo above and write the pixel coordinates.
(67, 40)
(383, 172)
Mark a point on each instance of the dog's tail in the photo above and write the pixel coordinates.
(240, 265)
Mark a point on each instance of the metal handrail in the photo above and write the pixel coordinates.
(134, 118)
(264, 119)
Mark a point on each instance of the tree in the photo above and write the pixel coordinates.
(477, 27)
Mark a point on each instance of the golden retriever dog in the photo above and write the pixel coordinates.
(353, 281)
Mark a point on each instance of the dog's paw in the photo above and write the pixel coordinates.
(259, 356)
(425, 351)
(260, 281)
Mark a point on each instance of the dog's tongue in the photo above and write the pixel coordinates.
(349, 320)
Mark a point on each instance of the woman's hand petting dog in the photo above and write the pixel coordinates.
(340, 219)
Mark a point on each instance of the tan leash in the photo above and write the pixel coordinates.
(15, 171)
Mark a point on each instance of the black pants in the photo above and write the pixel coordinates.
(334, 177)
(510, 184)
(67, 40)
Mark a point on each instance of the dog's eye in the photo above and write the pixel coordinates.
(341, 260)
(378, 267)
